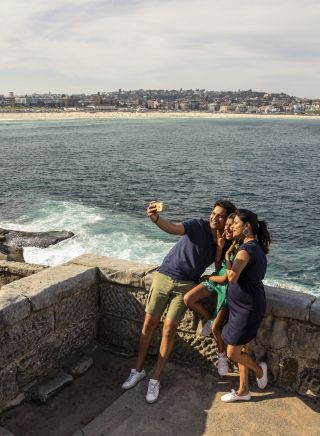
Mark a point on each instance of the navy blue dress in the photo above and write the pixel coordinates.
(246, 299)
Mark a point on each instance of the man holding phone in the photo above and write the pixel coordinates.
(179, 272)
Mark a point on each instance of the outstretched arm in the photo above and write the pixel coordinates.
(162, 223)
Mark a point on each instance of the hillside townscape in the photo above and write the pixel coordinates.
(241, 101)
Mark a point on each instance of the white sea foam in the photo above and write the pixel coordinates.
(103, 232)
(96, 230)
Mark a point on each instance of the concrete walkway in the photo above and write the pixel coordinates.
(190, 405)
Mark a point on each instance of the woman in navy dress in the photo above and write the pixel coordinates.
(246, 299)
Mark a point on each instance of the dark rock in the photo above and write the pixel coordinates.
(32, 239)
(11, 253)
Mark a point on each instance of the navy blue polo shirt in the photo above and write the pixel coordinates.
(192, 254)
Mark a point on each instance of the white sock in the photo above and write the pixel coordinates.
(223, 354)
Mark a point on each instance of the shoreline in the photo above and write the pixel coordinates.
(43, 116)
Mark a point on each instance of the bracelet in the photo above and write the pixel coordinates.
(157, 219)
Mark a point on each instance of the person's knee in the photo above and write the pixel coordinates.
(216, 330)
(187, 300)
(169, 331)
(232, 354)
(149, 325)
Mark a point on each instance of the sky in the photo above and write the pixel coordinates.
(75, 46)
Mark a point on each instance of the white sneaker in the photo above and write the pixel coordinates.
(153, 391)
(206, 328)
(134, 378)
(223, 365)
(263, 381)
(233, 396)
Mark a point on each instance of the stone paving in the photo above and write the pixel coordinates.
(190, 405)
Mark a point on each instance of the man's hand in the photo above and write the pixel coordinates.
(164, 224)
(152, 212)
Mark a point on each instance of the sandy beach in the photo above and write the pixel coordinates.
(33, 116)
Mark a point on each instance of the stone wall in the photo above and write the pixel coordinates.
(55, 312)
(289, 337)
(11, 271)
(44, 318)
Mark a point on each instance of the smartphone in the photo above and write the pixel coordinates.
(159, 205)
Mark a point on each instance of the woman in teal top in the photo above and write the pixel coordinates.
(217, 283)
(220, 289)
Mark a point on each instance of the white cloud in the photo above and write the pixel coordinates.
(85, 45)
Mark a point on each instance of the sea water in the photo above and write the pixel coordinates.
(96, 177)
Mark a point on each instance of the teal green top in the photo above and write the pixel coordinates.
(220, 290)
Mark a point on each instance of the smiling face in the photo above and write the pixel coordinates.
(218, 218)
(239, 227)
(228, 229)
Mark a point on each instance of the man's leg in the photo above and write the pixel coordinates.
(158, 298)
(176, 311)
(149, 328)
(167, 342)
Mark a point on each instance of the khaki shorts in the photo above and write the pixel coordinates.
(168, 293)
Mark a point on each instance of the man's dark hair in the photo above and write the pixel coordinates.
(225, 204)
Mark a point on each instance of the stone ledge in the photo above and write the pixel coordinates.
(13, 307)
(286, 303)
(315, 312)
(20, 268)
(123, 272)
(52, 285)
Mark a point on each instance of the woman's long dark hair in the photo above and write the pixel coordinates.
(259, 228)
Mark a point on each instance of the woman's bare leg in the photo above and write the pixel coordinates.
(235, 353)
(244, 373)
(217, 328)
(192, 297)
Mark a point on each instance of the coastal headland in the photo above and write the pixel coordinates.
(33, 116)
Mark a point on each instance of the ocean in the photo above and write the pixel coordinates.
(96, 177)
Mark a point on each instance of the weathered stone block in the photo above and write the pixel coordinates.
(315, 312)
(13, 307)
(125, 334)
(197, 351)
(286, 303)
(80, 367)
(20, 269)
(8, 384)
(288, 372)
(120, 332)
(273, 332)
(117, 270)
(306, 341)
(273, 360)
(189, 322)
(50, 286)
(78, 307)
(49, 352)
(310, 382)
(18, 339)
(43, 391)
(124, 302)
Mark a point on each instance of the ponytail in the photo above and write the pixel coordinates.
(259, 228)
(263, 236)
